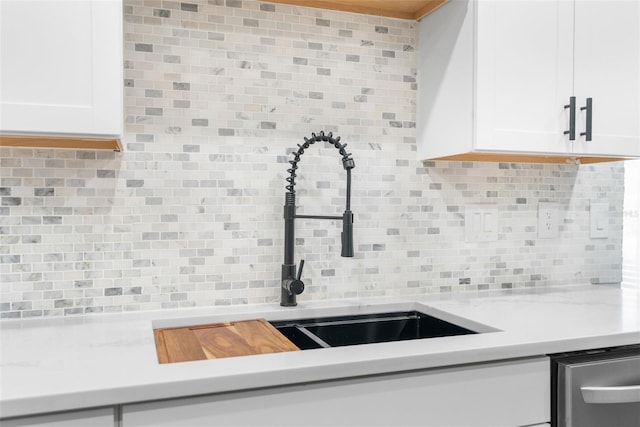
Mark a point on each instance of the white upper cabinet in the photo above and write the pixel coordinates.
(61, 67)
(607, 69)
(495, 77)
(523, 72)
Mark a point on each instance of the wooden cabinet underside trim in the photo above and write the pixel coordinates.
(74, 142)
(527, 158)
(402, 9)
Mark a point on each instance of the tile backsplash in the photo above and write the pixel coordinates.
(217, 95)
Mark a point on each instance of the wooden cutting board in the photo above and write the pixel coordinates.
(218, 340)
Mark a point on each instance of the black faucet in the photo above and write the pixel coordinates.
(291, 283)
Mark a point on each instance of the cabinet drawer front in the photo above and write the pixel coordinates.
(511, 393)
(103, 417)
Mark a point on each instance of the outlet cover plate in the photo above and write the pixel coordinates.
(481, 223)
(548, 220)
(599, 221)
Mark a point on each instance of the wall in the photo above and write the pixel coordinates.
(190, 214)
(631, 225)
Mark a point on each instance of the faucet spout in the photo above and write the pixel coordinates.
(291, 284)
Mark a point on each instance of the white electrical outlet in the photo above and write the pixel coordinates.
(548, 220)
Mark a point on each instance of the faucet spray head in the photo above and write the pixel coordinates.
(347, 217)
(347, 234)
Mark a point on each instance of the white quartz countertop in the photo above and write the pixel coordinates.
(60, 364)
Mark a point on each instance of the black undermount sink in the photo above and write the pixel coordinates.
(365, 329)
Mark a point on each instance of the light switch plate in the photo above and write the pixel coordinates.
(481, 223)
(599, 222)
(548, 220)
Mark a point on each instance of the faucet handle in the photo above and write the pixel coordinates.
(297, 286)
(300, 269)
(294, 286)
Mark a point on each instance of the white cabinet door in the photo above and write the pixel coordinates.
(61, 67)
(445, 96)
(493, 77)
(524, 55)
(512, 393)
(94, 417)
(607, 69)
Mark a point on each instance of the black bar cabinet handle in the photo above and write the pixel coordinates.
(589, 108)
(572, 119)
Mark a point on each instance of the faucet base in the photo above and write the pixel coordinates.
(284, 303)
(287, 298)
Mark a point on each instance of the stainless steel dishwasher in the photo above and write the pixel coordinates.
(596, 388)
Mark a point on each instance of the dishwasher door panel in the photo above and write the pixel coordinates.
(613, 383)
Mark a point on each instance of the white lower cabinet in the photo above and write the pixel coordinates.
(103, 417)
(509, 393)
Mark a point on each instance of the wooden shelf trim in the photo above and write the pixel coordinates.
(74, 142)
(527, 158)
(402, 9)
